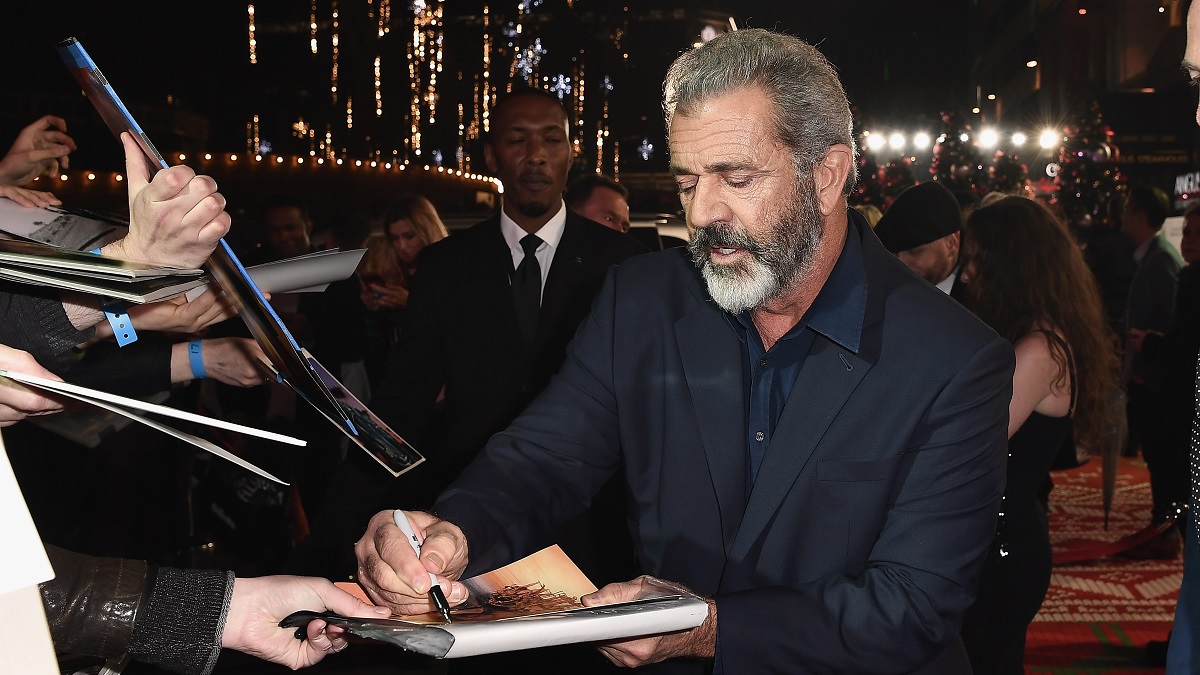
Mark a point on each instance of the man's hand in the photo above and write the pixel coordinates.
(178, 315)
(258, 605)
(16, 401)
(697, 643)
(392, 574)
(384, 296)
(176, 219)
(40, 149)
(28, 198)
(235, 361)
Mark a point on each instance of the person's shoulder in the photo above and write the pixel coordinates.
(460, 242)
(916, 312)
(607, 239)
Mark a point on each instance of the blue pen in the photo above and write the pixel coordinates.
(435, 590)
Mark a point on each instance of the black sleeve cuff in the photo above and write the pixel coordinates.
(180, 627)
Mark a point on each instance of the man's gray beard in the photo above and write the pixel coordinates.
(776, 266)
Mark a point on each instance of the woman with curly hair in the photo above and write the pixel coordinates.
(1027, 279)
(409, 225)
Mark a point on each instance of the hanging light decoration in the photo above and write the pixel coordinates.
(561, 86)
(312, 27)
(485, 114)
(378, 97)
(333, 75)
(385, 17)
(253, 42)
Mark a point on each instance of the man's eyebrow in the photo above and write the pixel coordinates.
(727, 167)
(720, 167)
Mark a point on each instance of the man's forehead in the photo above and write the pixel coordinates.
(531, 113)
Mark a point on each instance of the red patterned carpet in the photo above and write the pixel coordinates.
(1099, 615)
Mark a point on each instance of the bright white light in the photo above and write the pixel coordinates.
(1031, 63)
(975, 110)
(964, 138)
(1048, 139)
(896, 141)
(875, 141)
(1018, 139)
(988, 138)
(921, 140)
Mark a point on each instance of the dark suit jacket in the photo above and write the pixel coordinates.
(1151, 303)
(859, 547)
(461, 332)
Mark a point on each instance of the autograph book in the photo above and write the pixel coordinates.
(531, 603)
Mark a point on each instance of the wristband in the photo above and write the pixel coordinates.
(196, 360)
(122, 325)
(95, 250)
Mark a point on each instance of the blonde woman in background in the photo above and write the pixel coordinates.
(409, 225)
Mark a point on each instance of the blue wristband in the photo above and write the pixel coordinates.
(196, 359)
(122, 325)
(95, 250)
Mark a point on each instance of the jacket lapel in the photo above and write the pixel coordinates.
(712, 365)
(486, 277)
(569, 259)
(828, 378)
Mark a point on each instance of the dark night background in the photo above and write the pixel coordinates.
(899, 60)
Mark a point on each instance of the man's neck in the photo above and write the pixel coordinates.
(779, 315)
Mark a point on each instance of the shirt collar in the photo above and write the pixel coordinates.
(1143, 248)
(551, 232)
(841, 304)
(946, 285)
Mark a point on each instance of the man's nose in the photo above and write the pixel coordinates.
(708, 206)
(536, 152)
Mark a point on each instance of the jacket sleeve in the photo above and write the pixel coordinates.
(39, 325)
(110, 607)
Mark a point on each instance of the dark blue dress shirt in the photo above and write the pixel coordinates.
(836, 314)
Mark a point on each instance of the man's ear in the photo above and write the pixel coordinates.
(954, 243)
(829, 178)
(489, 158)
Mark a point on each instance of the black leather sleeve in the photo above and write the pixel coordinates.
(109, 607)
(92, 602)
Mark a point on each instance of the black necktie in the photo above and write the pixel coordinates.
(527, 289)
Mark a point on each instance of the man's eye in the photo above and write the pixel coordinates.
(738, 181)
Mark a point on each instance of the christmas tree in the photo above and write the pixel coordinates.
(1008, 174)
(956, 162)
(1088, 173)
(897, 177)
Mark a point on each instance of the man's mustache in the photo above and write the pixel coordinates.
(722, 235)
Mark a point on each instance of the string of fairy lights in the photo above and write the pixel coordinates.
(424, 30)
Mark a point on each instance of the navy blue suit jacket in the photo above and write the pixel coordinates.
(858, 548)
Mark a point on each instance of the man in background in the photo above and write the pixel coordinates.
(1150, 308)
(923, 228)
(600, 198)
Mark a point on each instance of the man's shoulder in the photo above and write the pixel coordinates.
(1164, 255)
(615, 245)
(912, 311)
(475, 239)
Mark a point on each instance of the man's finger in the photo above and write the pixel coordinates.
(137, 169)
(49, 152)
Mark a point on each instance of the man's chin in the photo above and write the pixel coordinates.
(532, 208)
